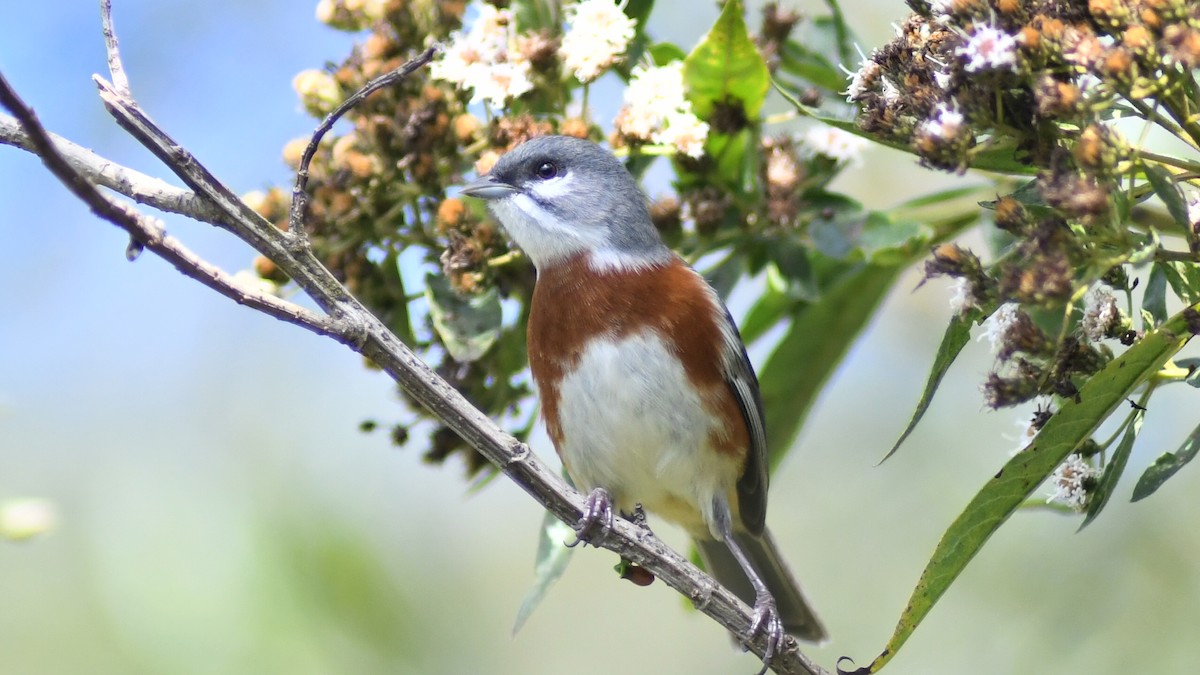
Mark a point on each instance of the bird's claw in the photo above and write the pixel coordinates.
(766, 619)
(597, 520)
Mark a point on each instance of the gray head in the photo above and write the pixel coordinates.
(559, 197)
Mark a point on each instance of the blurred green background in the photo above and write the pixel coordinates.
(220, 513)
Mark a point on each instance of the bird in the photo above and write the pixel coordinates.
(646, 390)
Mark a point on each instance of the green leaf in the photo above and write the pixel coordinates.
(886, 238)
(837, 22)
(877, 236)
(727, 65)
(1154, 298)
(1074, 423)
(1164, 186)
(801, 61)
(736, 157)
(1107, 484)
(639, 11)
(1184, 279)
(467, 325)
(820, 334)
(1166, 466)
(767, 311)
(958, 333)
(663, 53)
(553, 556)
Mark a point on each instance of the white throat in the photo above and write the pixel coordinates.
(547, 239)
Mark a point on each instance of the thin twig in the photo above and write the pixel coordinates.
(136, 185)
(112, 49)
(299, 190)
(149, 232)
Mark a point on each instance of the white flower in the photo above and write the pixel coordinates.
(685, 131)
(997, 325)
(841, 146)
(26, 518)
(989, 48)
(600, 32)
(658, 90)
(657, 110)
(860, 80)
(479, 60)
(941, 10)
(1193, 212)
(502, 81)
(962, 298)
(945, 124)
(942, 78)
(1070, 482)
(1100, 314)
(317, 89)
(891, 93)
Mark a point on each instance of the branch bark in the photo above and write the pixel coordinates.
(345, 319)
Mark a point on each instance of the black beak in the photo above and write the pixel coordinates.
(485, 187)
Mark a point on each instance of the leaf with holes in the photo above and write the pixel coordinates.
(467, 325)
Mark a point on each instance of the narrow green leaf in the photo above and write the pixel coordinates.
(1166, 466)
(767, 311)
(886, 238)
(1075, 422)
(958, 334)
(797, 59)
(837, 20)
(1184, 279)
(1107, 484)
(553, 556)
(1166, 189)
(1154, 297)
(820, 334)
(467, 325)
(727, 65)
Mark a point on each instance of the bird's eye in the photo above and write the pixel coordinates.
(546, 170)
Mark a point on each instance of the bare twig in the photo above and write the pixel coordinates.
(299, 194)
(100, 171)
(149, 233)
(112, 48)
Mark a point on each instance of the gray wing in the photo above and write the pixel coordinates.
(739, 375)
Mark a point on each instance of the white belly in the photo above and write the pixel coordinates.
(633, 424)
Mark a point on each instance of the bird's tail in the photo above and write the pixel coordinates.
(798, 618)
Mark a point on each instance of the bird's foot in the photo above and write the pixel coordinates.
(597, 520)
(766, 619)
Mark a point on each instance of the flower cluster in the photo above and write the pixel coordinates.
(1014, 86)
(1072, 482)
(656, 110)
(600, 31)
(481, 59)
